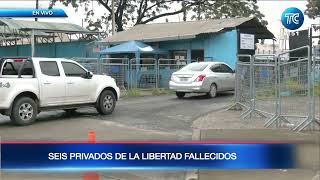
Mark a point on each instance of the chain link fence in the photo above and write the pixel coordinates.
(242, 82)
(282, 90)
(264, 83)
(294, 88)
(91, 64)
(165, 69)
(316, 86)
(143, 73)
(118, 68)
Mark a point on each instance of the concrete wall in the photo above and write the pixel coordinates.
(65, 49)
(219, 47)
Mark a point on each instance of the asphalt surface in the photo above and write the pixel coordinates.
(167, 113)
(159, 118)
(150, 118)
(162, 113)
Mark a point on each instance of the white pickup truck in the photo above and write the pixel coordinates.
(31, 85)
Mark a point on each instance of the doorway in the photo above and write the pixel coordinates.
(197, 55)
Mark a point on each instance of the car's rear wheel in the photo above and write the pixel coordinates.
(180, 94)
(106, 102)
(24, 111)
(213, 91)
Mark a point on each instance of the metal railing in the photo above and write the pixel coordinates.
(165, 69)
(132, 73)
(143, 73)
(91, 64)
(283, 92)
(118, 68)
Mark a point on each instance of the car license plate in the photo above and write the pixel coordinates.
(183, 79)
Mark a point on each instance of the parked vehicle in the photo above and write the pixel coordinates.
(203, 77)
(31, 85)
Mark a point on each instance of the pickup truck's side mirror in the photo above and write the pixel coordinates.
(88, 75)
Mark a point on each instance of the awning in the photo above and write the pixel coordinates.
(42, 26)
(132, 47)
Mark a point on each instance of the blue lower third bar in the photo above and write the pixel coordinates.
(170, 156)
(32, 13)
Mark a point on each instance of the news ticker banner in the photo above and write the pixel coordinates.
(122, 156)
(32, 13)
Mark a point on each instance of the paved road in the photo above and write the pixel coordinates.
(162, 113)
(167, 113)
(160, 118)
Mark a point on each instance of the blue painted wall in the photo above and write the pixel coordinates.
(65, 49)
(218, 47)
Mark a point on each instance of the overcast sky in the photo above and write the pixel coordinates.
(272, 9)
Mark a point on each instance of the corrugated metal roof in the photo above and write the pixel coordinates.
(43, 26)
(10, 32)
(178, 30)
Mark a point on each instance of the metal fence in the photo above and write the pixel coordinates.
(165, 69)
(316, 86)
(130, 73)
(91, 64)
(143, 73)
(264, 81)
(282, 91)
(242, 82)
(118, 68)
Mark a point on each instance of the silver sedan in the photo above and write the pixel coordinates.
(203, 77)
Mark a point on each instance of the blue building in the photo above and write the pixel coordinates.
(206, 40)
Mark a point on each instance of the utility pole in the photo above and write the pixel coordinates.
(32, 43)
(33, 38)
(113, 18)
(37, 7)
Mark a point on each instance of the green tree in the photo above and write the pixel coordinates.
(126, 11)
(209, 9)
(133, 12)
(313, 9)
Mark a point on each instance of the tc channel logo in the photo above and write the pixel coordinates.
(292, 18)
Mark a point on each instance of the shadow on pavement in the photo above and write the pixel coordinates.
(56, 116)
(194, 96)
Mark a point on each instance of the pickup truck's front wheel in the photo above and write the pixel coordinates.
(24, 111)
(106, 102)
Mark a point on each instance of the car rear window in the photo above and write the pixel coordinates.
(12, 67)
(194, 67)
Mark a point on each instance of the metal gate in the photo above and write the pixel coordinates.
(243, 87)
(118, 68)
(264, 84)
(143, 73)
(91, 64)
(165, 69)
(279, 89)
